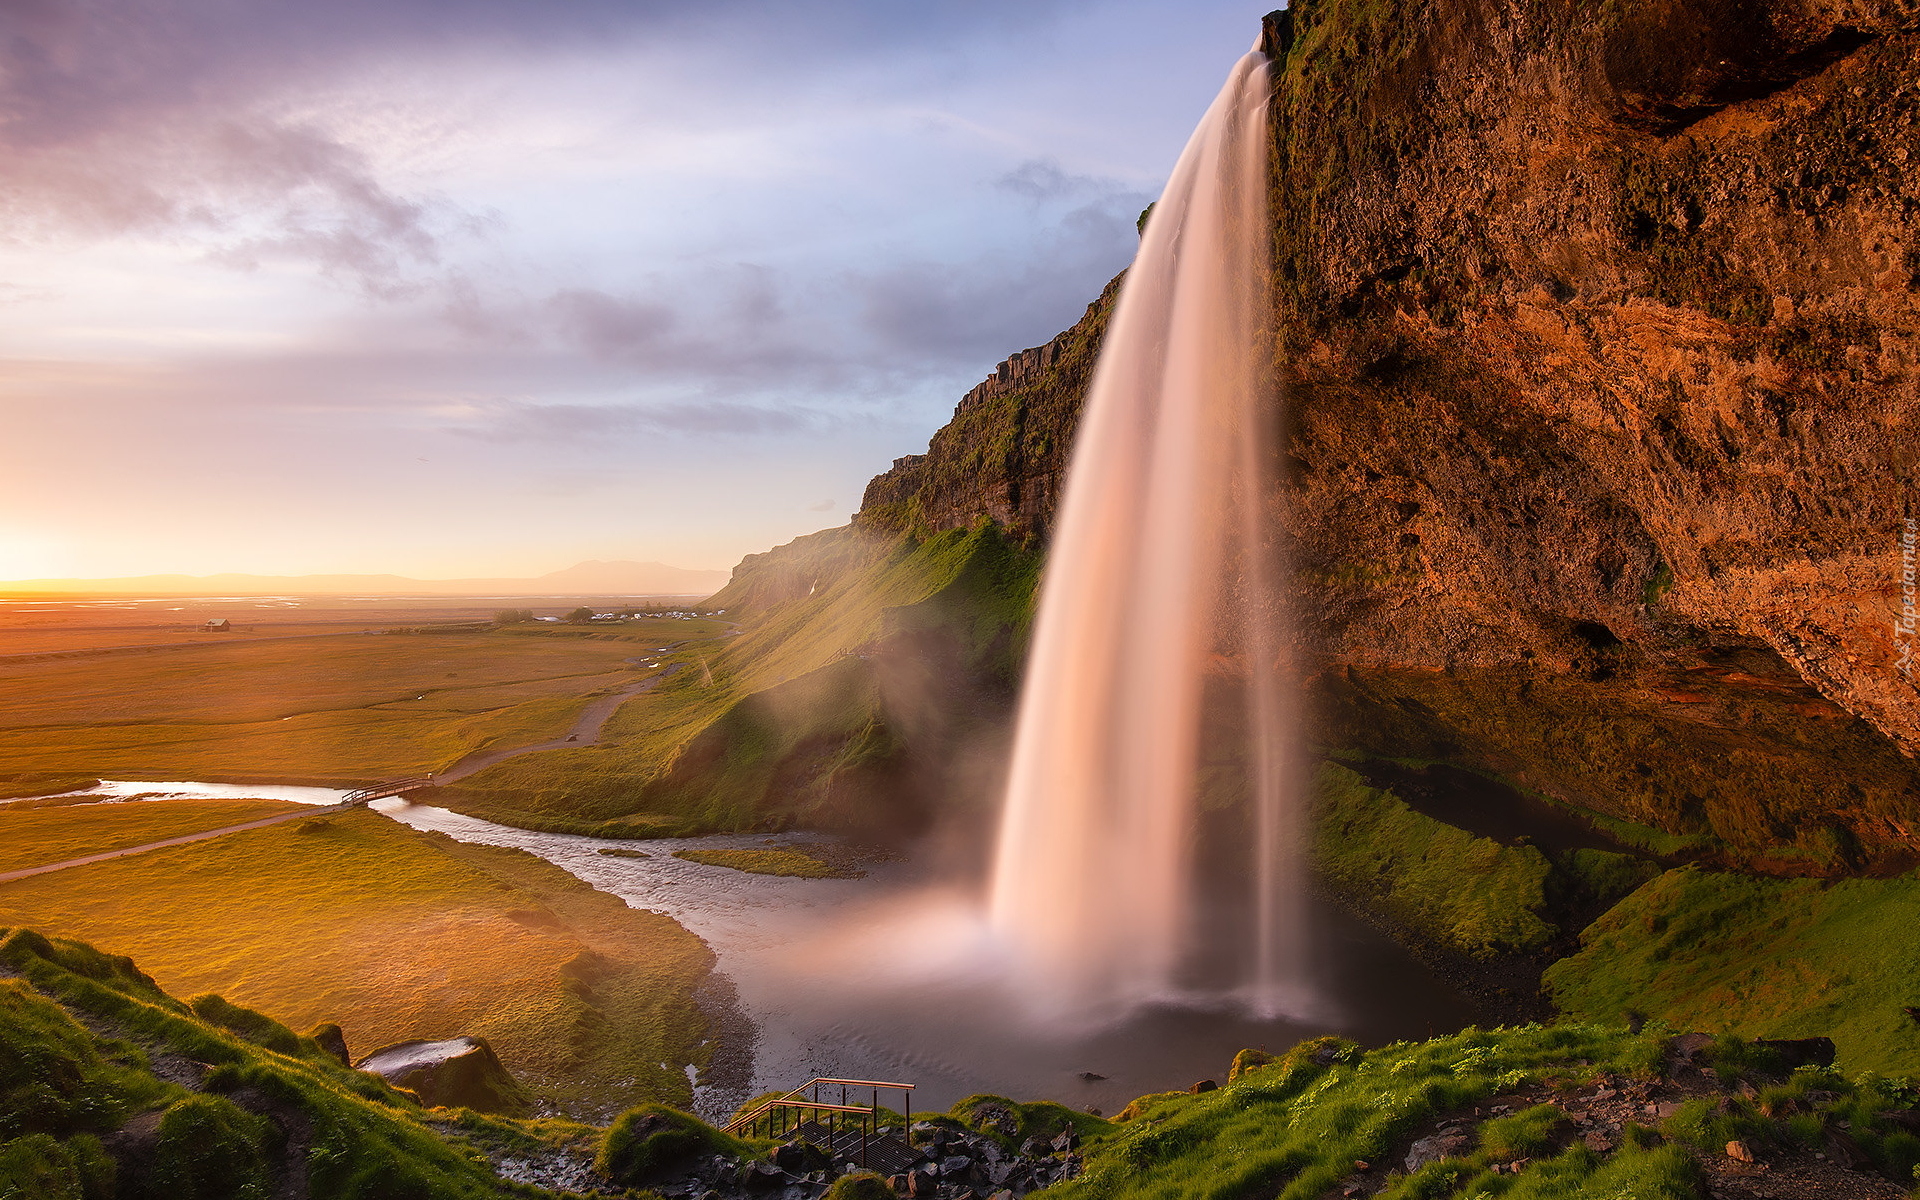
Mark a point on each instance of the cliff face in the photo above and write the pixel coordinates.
(1598, 326)
(1005, 451)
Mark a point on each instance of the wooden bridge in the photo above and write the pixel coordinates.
(845, 1131)
(393, 787)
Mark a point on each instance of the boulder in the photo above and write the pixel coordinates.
(1800, 1052)
(799, 1158)
(1444, 1144)
(333, 1040)
(460, 1072)
(762, 1177)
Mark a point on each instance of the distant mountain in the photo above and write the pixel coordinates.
(590, 578)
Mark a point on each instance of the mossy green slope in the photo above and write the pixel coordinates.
(1469, 894)
(855, 667)
(1761, 958)
(1528, 1113)
(1294, 1128)
(90, 1052)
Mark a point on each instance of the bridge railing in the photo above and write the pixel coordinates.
(786, 1112)
(393, 787)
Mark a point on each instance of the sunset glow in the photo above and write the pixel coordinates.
(490, 293)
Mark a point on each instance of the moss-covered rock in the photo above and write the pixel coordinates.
(652, 1138)
(85, 1115)
(1013, 1122)
(860, 1185)
(1466, 893)
(461, 1072)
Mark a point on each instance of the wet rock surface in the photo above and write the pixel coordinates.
(937, 1162)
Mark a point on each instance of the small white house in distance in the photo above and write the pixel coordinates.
(546, 618)
(218, 625)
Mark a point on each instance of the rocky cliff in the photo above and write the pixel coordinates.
(1598, 328)
(1005, 452)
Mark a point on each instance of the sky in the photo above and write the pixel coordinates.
(489, 287)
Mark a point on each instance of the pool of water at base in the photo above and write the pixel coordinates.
(890, 978)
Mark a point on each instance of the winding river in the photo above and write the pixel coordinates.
(894, 976)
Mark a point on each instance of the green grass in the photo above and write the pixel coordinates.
(1760, 957)
(37, 837)
(769, 862)
(396, 934)
(82, 1033)
(1293, 1129)
(67, 1083)
(339, 709)
(1467, 893)
(647, 1138)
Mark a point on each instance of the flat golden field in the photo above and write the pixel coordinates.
(35, 836)
(396, 934)
(364, 701)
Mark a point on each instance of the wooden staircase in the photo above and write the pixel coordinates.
(846, 1131)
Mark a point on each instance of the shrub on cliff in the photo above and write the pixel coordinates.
(43, 1168)
(860, 1185)
(210, 1149)
(257, 1028)
(647, 1139)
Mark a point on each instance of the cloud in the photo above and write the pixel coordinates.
(1041, 179)
(610, 325)
(207, 116)
(513, 421)
(986, 309)
(821, 506)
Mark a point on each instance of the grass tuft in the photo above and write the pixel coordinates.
(769, 862)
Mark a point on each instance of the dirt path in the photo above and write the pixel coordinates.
(10, 876)
(584, 732)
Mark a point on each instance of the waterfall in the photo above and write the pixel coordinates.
(1156, 654)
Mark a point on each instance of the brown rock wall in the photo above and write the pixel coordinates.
(1600, 326)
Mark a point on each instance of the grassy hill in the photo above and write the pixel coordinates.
(864, 662)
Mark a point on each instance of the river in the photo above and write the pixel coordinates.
(894, 977)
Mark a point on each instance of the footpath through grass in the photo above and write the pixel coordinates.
(396, 934)
(38, 837)
(345, 709)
